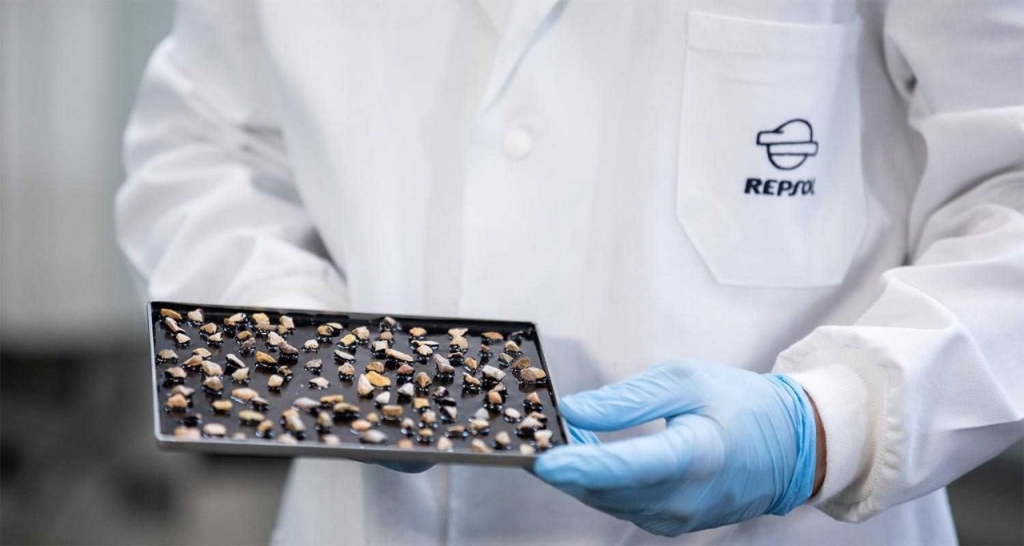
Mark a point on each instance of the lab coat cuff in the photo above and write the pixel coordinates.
(296, 291)
(841, 398)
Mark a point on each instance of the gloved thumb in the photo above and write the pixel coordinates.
(654, 394)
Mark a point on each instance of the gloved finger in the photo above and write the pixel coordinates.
(408, 468)
(582, 436)
(624, 503)
(636, 462)
(653, 394)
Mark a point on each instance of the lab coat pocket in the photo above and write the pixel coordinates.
(770, 189)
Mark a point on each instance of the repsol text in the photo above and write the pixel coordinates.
(771, 186)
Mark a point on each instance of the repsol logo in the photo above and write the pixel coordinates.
(787, 188)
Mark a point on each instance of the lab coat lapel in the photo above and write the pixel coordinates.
(524, 26)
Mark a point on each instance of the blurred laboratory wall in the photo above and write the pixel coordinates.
(78, 463)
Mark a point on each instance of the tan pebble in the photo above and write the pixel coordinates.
(388, 323)
(493, 373)
(379, 346)
(170, 313)
(202, 352)
(424, 351)
(244, 394)
(477, 425)
(383, 399)
(512, 347)
(177, 402)
(243, 335)
(478, 446)
(195, 315)
(286, 321)
(325, 330)
(330, 439)
(294, 424)
(342, 356)
(373, 417)
(502, 440)
(513, 414)
(265, 426)
(532, 375)
(378, 380)
(408, 424)
(186, 432)
(250, 417)
(482, 414)
(342, 409)
(275, 381)
(348, 340)
(172, 325)
(183, 390)
(241, 374)
(522, 363)
(416, 331)
(212, 368)
(526, 449)
(360, 425)
(398, 356)
(260, 317)
(213, 383)
(443, 365)
(423, 380)
(420, 403)
(386, 336)
(444, 444)
(406, 390)
(329, 400)
(193, 362)
(346, 370)
(324, 420)
(404, 443)
(492, 337)
(391, 411)
(319, 383)
(209, 328)
(472, 363)
(167, 355)
(428, 418)
(311, 345)
(287, 349)
(494, 398)
(460, 343)
(215, 430)
(265, 359)
(533, 398)
(405, 370)
(233, 320)
(457, 332)
(375, 366)
(274, 339)
(287, 439)
(182, 339)
(221, 406)
(470, 381)
(216, 338)
(373, 437)
(306, 404)
(361, 332)
(176, 373)
(337, 326)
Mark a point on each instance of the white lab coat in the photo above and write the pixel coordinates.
(591, 166)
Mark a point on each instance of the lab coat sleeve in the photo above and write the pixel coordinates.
(209, 212)
(929, 382)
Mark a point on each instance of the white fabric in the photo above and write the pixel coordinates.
(524, 162)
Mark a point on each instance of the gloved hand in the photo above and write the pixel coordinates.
(737, 445)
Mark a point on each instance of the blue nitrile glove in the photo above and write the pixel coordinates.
(737, 445)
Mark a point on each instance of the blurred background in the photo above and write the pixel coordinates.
(78, 463)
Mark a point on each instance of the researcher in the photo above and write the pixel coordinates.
(775, 250)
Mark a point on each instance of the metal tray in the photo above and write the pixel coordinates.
(350, 447)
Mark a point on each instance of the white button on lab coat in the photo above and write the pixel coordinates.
(832, 190)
